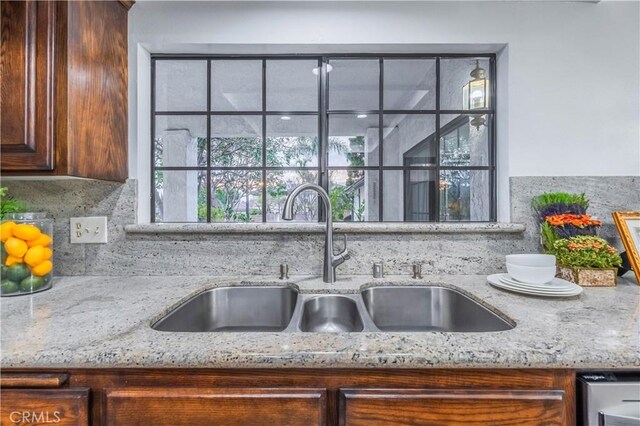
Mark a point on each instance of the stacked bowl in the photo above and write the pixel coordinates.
(533, 274)
(532, 268)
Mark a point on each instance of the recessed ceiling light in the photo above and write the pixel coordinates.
(361, 116)
(285, 117)
(316, 70)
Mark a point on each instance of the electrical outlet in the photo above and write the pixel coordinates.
(88, 230)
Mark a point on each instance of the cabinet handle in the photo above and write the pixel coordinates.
(17, 380)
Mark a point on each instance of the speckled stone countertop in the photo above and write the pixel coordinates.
(105, 322)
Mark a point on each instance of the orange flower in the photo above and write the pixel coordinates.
(577, 220)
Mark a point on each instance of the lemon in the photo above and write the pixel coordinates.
(47, 253)
(12, 260)
(43, 268)
(15, 247)
(26, 231)
(43, 240)
(34, 256)
(5, 231)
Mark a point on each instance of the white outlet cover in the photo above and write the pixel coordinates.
(88, 230)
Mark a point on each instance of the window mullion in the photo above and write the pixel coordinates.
(323, 136)
(264, 141)
(436, 215)
(209, 141)
(380, 140)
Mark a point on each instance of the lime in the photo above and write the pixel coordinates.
(17, 272)
(8, 286)
(31, 284)
(3, 271)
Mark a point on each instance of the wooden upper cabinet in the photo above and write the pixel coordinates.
(63, 78)
(27, 73)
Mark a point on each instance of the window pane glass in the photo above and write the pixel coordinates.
(353, 84)
(353, 140)
(463, 140)
(409, 140)
(464, 195)
(181, 85)
(292, 85)
(409, 195)
(280, 183)
(354, 195)
(409, 84)
(236, 140)
(180, 141)
(236, 85)
(236, 196)
(454, 75)
(292, 140)
(180, 196)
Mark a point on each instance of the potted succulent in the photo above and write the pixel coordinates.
(587, 260)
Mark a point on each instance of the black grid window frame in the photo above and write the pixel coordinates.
(323, 113)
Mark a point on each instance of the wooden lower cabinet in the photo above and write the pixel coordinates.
(64, 407)
(301, 396)
(451, 407)
(215, 406)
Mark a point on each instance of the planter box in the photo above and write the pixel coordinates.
(588, 277)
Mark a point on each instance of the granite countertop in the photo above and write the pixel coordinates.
(105, 322)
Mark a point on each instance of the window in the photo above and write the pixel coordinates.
(387, 136)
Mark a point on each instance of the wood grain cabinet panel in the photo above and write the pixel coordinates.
(62, 407)
(451, 407)
(214, 406)
(64, 88)
(27, 81)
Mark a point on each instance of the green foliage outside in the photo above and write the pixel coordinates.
(586, 252)
(230, 188)
(9, 204)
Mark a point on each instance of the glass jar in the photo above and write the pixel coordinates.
(27, 253)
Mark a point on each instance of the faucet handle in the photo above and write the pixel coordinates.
(344, 251)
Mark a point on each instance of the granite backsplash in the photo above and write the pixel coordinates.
(261, 254)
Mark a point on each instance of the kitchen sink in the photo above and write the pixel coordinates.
(386, 308)
(243, 308)
(331, 314)
(409, 308)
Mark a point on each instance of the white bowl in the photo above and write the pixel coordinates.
(531, 274)
(531, 259)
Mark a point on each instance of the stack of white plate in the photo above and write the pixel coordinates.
(557, 287)
(533, 274)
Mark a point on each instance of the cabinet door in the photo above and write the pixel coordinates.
(220, 406)
(63, 407)
(451, 407)
(27, 81)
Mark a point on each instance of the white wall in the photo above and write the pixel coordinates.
(569, 76)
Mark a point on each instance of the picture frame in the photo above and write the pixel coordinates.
(628, 225)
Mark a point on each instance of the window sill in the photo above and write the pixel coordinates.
(168, 229)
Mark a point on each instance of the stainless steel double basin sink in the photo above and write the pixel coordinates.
(375, 309)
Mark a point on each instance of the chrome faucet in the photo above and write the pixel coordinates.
(331, 260)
